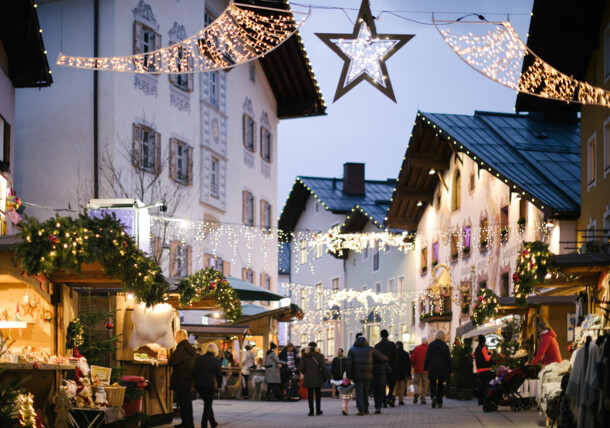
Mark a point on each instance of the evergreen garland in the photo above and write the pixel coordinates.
(533, 265)
(486, 306)
(209, 282)
(65, 244)
(296, 311)
(461, 361)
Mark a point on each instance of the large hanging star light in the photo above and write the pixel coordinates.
(364, 53)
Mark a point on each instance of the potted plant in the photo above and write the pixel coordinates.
(454, 256)
(466, 251)
(521, 224)
(504, 234)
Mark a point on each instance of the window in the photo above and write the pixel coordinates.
(266, 215)
(591, 161)
(330, 340)
(145, 40)
(266, 144)
(319, 250)
(466, 237)
(146, 150)
(482, 284)
(5, 140)
(252, 71)
(303, 251)
(265, 281)
(248, 208)
(391, 332)
(304, 340)
(505, 284)
(249, 134)
(247, 274)
(377, 287)
(413, 310)
(454, 246)
(214, 80)
(180, 162)
(504, 223)
(179, 259)
(208, 18)
(318, 297)
(215, 177)
(316, 207)
(365, 253)
(424, 259)
(182, 81)
(456, 192)
(303, 300)
(320, 340)
(391, 285)
(375, 256)
(335, 282)
(435, 250)
(483, 227)
(606, 147)
(473, 181)
(401, 285)
(522, 213)
(210, 260)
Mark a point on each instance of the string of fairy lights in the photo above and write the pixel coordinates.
(499, 54)
(238, 35)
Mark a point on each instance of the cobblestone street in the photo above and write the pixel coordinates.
(232, 413)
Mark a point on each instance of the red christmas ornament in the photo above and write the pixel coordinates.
(212, 285)
(53, 239)
(109, 325)
(481, 298)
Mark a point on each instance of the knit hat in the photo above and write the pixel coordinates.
(272, 346)
(481, 338)
(313, 344)
(346, 382)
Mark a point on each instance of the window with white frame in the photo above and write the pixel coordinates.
(303, 300)
(391, 332)
(403, 330)
(401, 285)
(215, 177)
(302, 251)
(208, 18)
(391, 285)
(252, 72)
(146, 149)
(320, 341)
(335, 283)
(249, 127)
(145, 40)
(179, 259)
(247, 274)
(248, 208)
(266, 215)
(365, 253)
(319, 297)
(181, 162)
(266, 143)
(606, 147)
(376, 256)
(591, 160)
(319, 250)
(330, 342)
(214, 81)
(377, 287)
(304, 340)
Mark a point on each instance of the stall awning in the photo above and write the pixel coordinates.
(220, 330)
(482, 330)
(538, 300)
(250, 292)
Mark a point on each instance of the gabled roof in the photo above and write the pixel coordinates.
(329, 191)
(538, 158)
(564, 33)
(21, 37)
(363, 213)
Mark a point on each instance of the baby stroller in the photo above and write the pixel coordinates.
(506, 391)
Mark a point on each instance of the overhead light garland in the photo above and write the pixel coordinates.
(499, 54)
(364, 53)
(238, 35)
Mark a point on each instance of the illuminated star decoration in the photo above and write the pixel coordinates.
(365, 53)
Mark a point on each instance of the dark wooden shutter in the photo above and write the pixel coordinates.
(136, 152)
(173, 250)
(262, 209)
(254, 142)
(189, 260)
(262, 139)
(244, 274)
(245, 129)
(173, 161)
(245, 207)
(157, 153)
(253, 211)
(189, 163)
(262, 279)
(137, 38)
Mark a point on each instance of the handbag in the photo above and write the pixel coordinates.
(319, 367)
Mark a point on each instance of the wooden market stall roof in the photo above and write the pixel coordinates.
(216, 330)
(280, 314)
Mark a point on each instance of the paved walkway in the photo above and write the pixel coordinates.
(243, 413)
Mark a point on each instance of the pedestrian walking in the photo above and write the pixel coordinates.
(181, 381)
(438, 366)
(345, 387)
(420, 377)
(388, 348)
(548, 349)
(207, 374)
(272, 374)
(247, 363)
(403, 372)
(359, 367)
(483, 363)
(291, 356)
(315, 373)
(337, 368)
(381, 373)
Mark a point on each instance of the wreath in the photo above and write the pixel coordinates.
(65, 244)
(209, 282)
(534, 264)
(486, 306)
(296, 311)
(74, 335)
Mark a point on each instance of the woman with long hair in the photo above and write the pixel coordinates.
(208, 377)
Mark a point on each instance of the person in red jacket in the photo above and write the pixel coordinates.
(420, 378)
(483, 363)
(548, 350)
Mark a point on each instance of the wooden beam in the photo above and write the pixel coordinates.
(90, 277)
(404, 224)
(415, 194)
(428, 161)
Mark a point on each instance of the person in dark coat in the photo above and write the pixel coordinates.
(403, 372)
(359, 368)
(438, 366)
(388, 348)
(337, 368)
(272, 374)
(315, 373)
(181, 381)
(381, 373)
(207, 374)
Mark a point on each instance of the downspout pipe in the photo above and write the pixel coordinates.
(96, 31)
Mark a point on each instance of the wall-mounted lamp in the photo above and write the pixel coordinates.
(432, 171)
(419, 203)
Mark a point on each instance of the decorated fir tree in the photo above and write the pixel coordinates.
(461, 361)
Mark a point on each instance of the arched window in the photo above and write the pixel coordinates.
(456, 192)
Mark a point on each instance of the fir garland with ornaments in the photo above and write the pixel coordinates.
(486, 306)
(534, 265)
(296, 311)
(65, 244)
(211, 283)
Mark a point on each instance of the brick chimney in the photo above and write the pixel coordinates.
(353, 178)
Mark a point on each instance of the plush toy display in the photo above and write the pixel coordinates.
(100, 396)
(152, 325)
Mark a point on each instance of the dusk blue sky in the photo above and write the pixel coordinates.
(366, 126)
